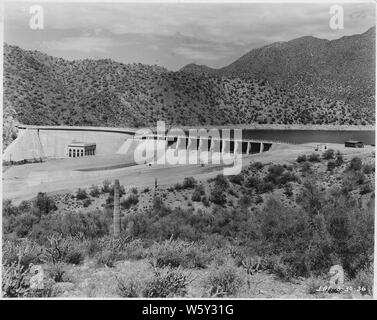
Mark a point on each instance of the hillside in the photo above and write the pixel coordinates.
(342, 69)
(40, 89)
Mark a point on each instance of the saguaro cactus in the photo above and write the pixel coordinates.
(116, 215)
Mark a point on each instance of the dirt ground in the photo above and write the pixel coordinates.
(91, 280)
(23, 182)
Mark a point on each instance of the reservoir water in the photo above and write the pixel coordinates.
(305, 136)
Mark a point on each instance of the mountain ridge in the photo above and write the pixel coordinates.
(44, 90)
(312, 63)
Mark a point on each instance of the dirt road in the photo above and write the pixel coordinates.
(55, 176)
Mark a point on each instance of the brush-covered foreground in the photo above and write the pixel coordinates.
(272, 231)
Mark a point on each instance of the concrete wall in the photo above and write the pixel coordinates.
(36, 143)
(55, 142)
(26, 146)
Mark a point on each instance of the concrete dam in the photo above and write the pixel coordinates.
(38, 143)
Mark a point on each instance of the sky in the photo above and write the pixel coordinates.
(174, 34)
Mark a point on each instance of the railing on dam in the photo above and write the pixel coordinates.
(79, 128)
(131, 131)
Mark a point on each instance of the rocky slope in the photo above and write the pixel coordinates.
(342, 69)
(40, 89)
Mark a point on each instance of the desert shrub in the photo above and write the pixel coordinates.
(57, 248)
(134, 250)
(198, 193)
(218, 196)
(288, 190)
(23, 251)
(352, 179)
(256, 166)
(175, 253)
(366, 188)
(205, 201)
(363, 281)
(314, 157)
(90, 225)
(289, 168)
(213, 242)
(134, 190)
(325, 228)
(130, 201)
(221, 182)
(121, 246)
(276, 170)
(237, 179)
(258, 199)
(106, 186)
(9, 209)
(86, 203)
(301, 158)
(339, 159)
(278, 177)
(81, 194)
(107, 258)
(339, 230)
(94, 191)
(15, 280)
(349, 228)
(355, 164)
(223, 281)
(23, 224)
(178, 186)
(284, 271)
(75, 255)
(245, 201)
(252, 182)
(306, 168)
(287, 177)
(92, 246)
(288, 232)
(328, 154)
(311, 197)
(265, 187)
(43, 204)
(331, 165)
(200, 189)
(58, 272)
(161, 222)
(166, 282)
(159, 207)
(368, 168)
(196, 196)
(249, 262)
(128, 288)
(16, 266)
(189, 183)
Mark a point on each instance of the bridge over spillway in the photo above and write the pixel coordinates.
(42, 142)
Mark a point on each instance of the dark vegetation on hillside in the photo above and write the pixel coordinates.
(301, 234)
(303, 81)
(342, 69)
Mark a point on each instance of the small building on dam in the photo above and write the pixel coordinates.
(81, 149)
